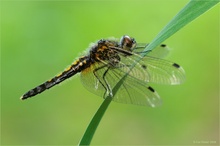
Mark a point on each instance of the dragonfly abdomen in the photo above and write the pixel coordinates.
(77, 66)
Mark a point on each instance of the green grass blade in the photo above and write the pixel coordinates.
(90, 131)
(190, 12)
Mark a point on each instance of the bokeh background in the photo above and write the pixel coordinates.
(40, 38)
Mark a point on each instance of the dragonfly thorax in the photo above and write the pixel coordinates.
(103, 50)
(110, 49)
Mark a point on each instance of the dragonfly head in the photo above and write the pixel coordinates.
(127, 43)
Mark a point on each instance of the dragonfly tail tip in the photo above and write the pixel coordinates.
(22, 97)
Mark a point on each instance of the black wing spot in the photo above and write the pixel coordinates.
(144, 66)
(163, 45)
(176, 65)
(151, 89)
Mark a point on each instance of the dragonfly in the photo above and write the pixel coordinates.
(108, 60)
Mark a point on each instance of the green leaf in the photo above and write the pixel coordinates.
(189, 13)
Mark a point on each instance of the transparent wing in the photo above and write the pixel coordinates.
(132, 91)
(101, 77)
(91, 82)
(152, 69)
(163, 71)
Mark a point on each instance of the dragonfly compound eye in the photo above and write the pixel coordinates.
(127, 43)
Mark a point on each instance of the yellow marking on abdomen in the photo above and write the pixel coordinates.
(75, 62)
(59, 74)
(67, 69)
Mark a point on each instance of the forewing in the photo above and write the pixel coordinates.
(153, 69)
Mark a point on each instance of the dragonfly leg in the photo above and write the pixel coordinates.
(106, 83)
(97, 77)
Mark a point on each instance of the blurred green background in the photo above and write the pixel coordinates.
(39, 39)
